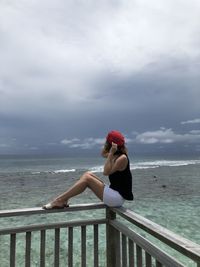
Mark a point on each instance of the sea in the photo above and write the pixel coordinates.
(166, 191)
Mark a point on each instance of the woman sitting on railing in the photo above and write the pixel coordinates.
(116, 167)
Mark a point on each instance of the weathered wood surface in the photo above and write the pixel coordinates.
(183, 245)
(39, 227)
(111, 236)
(96, 245)
(186, 247)
(40, 210)
(142, 243)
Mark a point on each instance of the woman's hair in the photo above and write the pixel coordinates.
(120, 149)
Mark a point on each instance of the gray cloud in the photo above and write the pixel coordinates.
(132, 65)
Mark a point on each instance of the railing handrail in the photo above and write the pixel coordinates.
(40, 210)
(149, 247)
(179, 243)
(183, 245)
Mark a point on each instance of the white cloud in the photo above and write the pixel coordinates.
(34, 148)
(87, 143)
(4, 145)
(161, 136)
(69, 141)
(7, 142)
(167, 136)
(195, 132)
(191, 121)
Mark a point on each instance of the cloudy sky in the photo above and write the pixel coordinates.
(73, 70)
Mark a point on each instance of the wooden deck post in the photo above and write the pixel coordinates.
(113, 253)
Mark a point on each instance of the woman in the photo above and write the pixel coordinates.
(116, 167)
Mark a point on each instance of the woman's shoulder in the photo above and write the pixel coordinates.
(123, 156)
(122, 161)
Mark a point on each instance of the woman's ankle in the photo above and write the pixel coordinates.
(60, 199)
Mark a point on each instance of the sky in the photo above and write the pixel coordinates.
(71, 71)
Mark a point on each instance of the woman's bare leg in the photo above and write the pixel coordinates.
(87, 180)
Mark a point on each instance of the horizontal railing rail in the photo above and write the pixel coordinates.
(39, 227)
(124, 245)
(39, 210)
(25, 234)
(183, 245)
(150, 249)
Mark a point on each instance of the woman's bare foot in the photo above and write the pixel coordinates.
(56, 204)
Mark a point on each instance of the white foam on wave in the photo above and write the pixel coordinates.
(134, 165)
(56, 171)
(97, 169)
(64, 171)
(153, 164)
(162, 163)
(35, 172)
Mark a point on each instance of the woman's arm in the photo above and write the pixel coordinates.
(112, 164)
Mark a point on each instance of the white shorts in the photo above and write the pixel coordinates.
(112, 198)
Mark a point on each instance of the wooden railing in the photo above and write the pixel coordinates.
(124, 244)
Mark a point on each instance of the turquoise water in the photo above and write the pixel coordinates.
(166, 191)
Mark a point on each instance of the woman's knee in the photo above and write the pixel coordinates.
(86, 176)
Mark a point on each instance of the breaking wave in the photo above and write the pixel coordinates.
(153, 164)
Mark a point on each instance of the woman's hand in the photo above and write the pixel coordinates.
(113, 148)
(106, 152)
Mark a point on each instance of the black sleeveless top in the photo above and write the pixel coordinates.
(121, 181)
